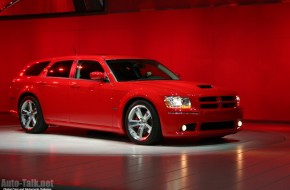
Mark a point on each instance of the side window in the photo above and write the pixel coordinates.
(36, 69)
(84, 68)
(60, 69)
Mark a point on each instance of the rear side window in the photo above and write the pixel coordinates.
(84, 68)
(60, 69)
(36, 69)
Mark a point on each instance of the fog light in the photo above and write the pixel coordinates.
(183, 128)
(240, 123)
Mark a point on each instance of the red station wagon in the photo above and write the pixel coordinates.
(133, 96)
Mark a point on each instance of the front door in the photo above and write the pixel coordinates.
(91, 102)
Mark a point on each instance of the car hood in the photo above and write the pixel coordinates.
(178, 87)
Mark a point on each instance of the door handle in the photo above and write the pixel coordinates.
(74, 85)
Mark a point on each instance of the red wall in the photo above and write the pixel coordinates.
(245, 48)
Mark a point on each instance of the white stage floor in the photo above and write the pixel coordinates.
(256, 158)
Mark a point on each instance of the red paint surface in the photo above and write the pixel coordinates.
(102, 105)
(245, 48)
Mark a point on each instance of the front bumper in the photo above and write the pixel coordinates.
(203, 124)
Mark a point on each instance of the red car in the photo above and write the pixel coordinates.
(133, 96)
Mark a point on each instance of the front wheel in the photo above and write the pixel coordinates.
(142, 123)
(30, 114)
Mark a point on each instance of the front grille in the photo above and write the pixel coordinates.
(214, 102)
(228, 98)
(208, 106)
(228, 105)
(217, 125)
(208, 99)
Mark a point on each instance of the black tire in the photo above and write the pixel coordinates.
(144, 128)
(30, 115)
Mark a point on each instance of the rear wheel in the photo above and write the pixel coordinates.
(142, 123)
(30, 114)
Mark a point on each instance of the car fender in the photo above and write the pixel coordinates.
(137, 94)
(27, 89)
(16, 92)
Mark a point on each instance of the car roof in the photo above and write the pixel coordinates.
(105, 57)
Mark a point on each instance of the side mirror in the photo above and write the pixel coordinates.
(97, 76)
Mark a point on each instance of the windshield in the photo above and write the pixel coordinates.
(139, 69)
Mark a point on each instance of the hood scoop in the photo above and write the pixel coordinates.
(205, 86)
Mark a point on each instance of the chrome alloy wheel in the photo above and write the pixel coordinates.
(28, 114)
(140, 122)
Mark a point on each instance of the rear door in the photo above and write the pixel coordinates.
(54, 92)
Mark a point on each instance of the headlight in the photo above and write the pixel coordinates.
(177, 102)
(238, 100)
